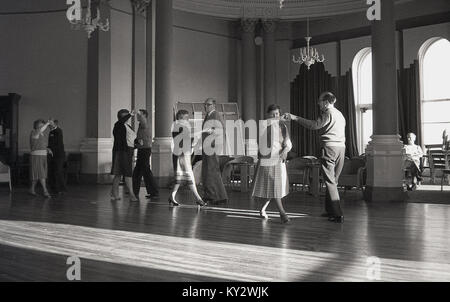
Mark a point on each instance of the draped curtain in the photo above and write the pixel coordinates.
(346, 104)
(409, 107)
(305, 91)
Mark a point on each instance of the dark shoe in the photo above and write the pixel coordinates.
(284, 218)
(413, 187)
(337, 219)
(201, 203)
(134, 200)
(172, 202)
(152, 196)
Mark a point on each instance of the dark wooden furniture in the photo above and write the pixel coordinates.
(436, 160)
(9, 130)
(446, 170)
(73, 166)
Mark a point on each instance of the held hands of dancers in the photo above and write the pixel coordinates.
(287, 117)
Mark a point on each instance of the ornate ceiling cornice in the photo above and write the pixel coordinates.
(270, 9)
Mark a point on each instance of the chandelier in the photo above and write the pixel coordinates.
(90, 23)
(281, 4)
(308, 55)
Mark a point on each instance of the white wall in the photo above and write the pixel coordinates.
(206, 59)
(45, 61)
(414, 38)
(121, 56)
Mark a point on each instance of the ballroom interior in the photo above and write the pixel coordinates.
(390, 77)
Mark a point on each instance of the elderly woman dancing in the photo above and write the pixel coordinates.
(271, 182)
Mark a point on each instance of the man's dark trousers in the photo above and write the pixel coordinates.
(142, 168)
(56, 173)
(333, 158)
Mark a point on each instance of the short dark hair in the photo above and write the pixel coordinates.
(328, 97)
(144, 112)
(180, 114)
(213, 100)
(273, 107)
(121, 113)
(56, 122)
(37, 122)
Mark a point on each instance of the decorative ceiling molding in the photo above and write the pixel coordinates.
(270, 9)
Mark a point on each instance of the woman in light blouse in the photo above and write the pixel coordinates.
(412, 154)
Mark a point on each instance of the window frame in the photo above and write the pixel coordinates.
(360, 107)
(421, 57)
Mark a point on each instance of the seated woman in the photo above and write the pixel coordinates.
(411, 160)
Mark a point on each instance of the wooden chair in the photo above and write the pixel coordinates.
(298, 172)
(73, 166)
(5, 174)
(436, 160)
(232, 173)
(446, 171)
(352, 174)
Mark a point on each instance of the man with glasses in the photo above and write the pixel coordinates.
(331, 124)
(213, 145)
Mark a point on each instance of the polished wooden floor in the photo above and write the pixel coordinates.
(150, 241)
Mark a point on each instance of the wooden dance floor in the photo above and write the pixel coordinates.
(150, 241)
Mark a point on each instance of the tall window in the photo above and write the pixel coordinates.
(435, 66)
(362, 85)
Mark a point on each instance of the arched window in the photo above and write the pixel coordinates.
(434, 57)
(362, 85)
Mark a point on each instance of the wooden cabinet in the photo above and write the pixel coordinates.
(9, 128)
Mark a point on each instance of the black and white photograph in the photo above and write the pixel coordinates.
(225, 147)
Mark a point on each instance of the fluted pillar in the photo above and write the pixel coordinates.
(96, 147)
(249, 104)
(384, 160)
(162, 157)
(270, 93)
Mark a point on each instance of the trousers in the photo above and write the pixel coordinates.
(332, 163)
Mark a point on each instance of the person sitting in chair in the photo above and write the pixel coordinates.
(412, 154)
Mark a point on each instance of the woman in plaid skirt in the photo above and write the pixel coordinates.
(271, 181)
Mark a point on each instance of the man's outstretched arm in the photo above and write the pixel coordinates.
(317, 124)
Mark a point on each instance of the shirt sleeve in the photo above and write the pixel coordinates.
(317, 124)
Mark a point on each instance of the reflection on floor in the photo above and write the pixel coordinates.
(150, 241)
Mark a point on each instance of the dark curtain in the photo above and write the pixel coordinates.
(305, 91)
(409, 107)
(346, 104)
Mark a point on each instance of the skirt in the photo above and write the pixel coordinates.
(183, 172)
(271, 181)
(122, 163)
(38, 167)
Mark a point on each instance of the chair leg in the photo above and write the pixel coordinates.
(10, 186)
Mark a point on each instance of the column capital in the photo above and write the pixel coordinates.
(140, 6)
(248, 25)
(269, 25)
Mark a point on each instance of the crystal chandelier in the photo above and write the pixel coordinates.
(281, 4)
(88, 23)
(308, 55)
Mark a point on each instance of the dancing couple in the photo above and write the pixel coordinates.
(212, 132)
